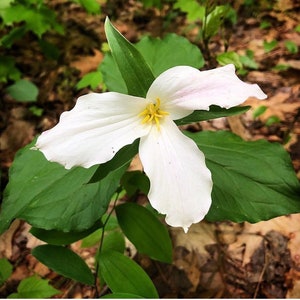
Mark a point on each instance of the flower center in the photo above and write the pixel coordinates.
(153, 114)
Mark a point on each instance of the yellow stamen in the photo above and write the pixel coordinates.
(153, 114)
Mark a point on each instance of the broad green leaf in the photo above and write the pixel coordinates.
(113, 241)
(194, 10)
(214, 112)
(133, 67)
(48, 196)
(121, 296)
(23, 91)
(123, 275)
(145, 231)
(34, 287)
(56, 237)
(252, 181)
(5, 270)
(230, 57)
(64, 262)
(135, 181)
(91, 239)
(156, 52)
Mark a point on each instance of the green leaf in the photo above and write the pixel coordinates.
(135, 71)
(64, 262)
(113, 241)
(48, 196)
(272, 120)
(214, 112)
(23, 91)
(269, 46)
(121, 296)
(214, 20)
(91, 6)
(15, 34)
(291, 47)
(8, 69)
(259, 111)
(34, 287)
(135, 181)
(123, 275)
(145, 231)
(56, 237)
(122, 158)
(253, 181)
(92, 79)
(5, 270)
(156, 52)
(230, 57)
(192, 8)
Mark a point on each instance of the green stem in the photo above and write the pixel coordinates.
(102, 239)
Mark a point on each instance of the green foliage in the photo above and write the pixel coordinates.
(56, 237)
(123, 275)
(259, 111)
(135, 71)
(91, 6)
(5, 270)
(8, 70)
(213, 113)
(291, 47)
(35, 16)
(269, 46)
(157, 54)
(34, 287)
(92, 80)
(248, 60)
(50, 197)
(152, 3)
(145, 231)
(230, 57)
(23, 91)
(265, 24)
(64, 262)
(135, 181)
(272, 120)
(192, 8)
(253, 181)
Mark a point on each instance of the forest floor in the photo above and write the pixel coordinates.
(214, 260)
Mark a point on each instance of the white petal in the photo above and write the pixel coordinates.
(189, 89)
(94, 130)
(180, 182)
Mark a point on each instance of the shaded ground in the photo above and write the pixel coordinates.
(212, 260)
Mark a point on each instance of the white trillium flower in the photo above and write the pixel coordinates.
(101, 124)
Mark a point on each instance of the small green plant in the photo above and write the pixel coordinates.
(269, 46)
(291, 47)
